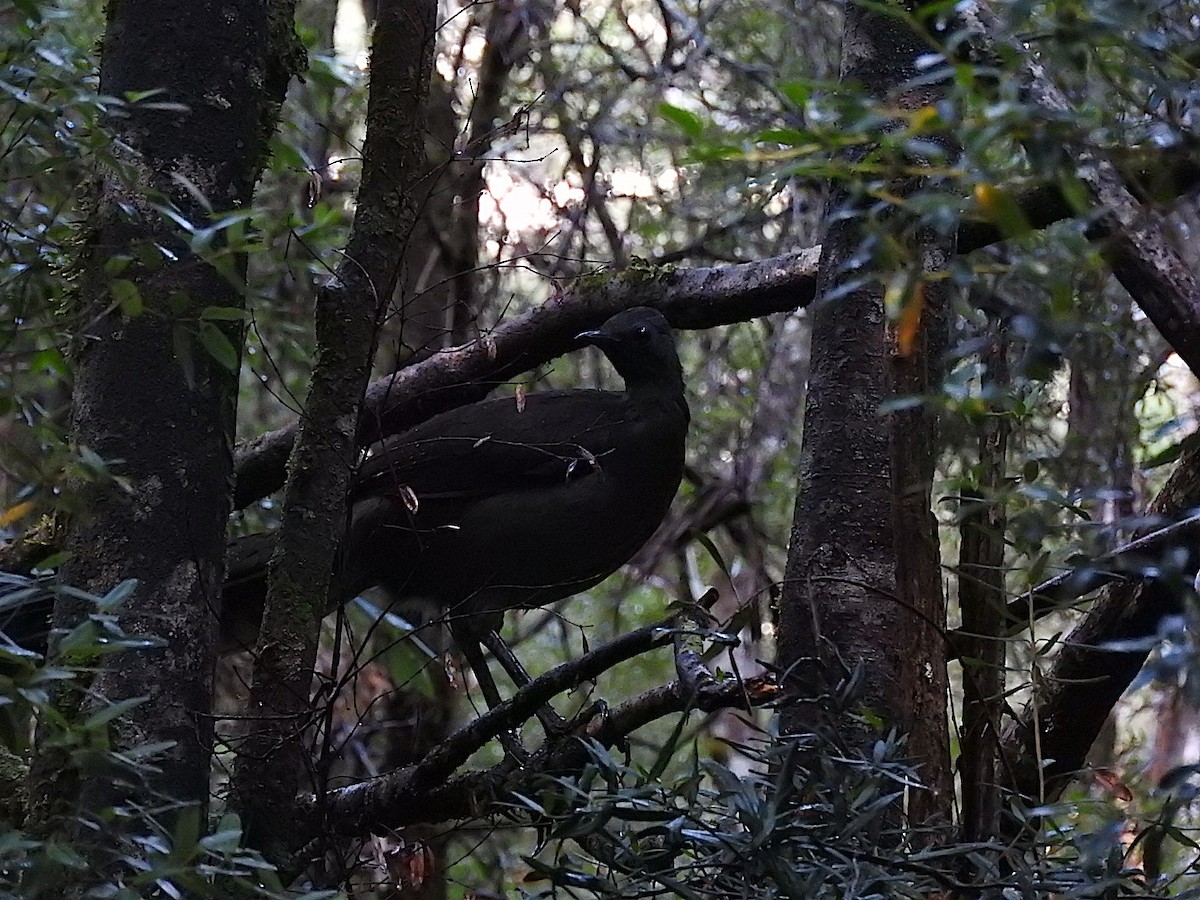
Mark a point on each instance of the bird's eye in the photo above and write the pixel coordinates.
(642, 331)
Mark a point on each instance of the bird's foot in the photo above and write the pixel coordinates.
(554, 725)
(559, 727)
(583, 718)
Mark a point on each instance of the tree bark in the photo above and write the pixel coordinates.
(349, 307)
(156, 388)
(862, 588)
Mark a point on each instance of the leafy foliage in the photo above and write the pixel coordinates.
(190, 860)
(678, 135)
(805, 815)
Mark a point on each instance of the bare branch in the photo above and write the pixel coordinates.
(402, 799)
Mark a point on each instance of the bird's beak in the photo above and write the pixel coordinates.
(598, 337)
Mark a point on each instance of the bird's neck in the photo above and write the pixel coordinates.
(662, 393)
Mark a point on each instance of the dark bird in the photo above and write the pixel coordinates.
(518, 502)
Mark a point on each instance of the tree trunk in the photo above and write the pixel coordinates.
(156, 385)
(863, 586)
(274, 755)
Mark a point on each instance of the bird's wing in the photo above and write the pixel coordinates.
(498, 446)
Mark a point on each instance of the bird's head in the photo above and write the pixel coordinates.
(641, 346)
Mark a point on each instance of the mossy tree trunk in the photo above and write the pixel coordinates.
(156, 362)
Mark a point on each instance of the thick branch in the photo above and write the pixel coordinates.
(690, 298)
(1086, 679)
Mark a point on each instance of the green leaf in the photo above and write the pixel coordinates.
(106, 714)
(117, 595)
(786, 136)
(65, 856)
(149, 255)
(1037, 569)
(871, 717)
(117, 264)
(1002, 209)
(689, 123)
(187, 832)
(226, 839)
(81, 637)
(53, 561)
(128, 297)
(148, 751)
(230, 219)
(139, 96)
(50, 358)
(707, 543)
(663, 759)
(218, 345)
(1172, 453)
(285, 156)
(1075, 192)
(798, 92)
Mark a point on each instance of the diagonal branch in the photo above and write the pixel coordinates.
(696, 298)
(1087, 677)
(426, 792)
(1125, 563)
(360, 804)
(477, 794)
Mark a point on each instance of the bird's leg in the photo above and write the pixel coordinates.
(552, 722)
(505, 656)
(469, 645)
